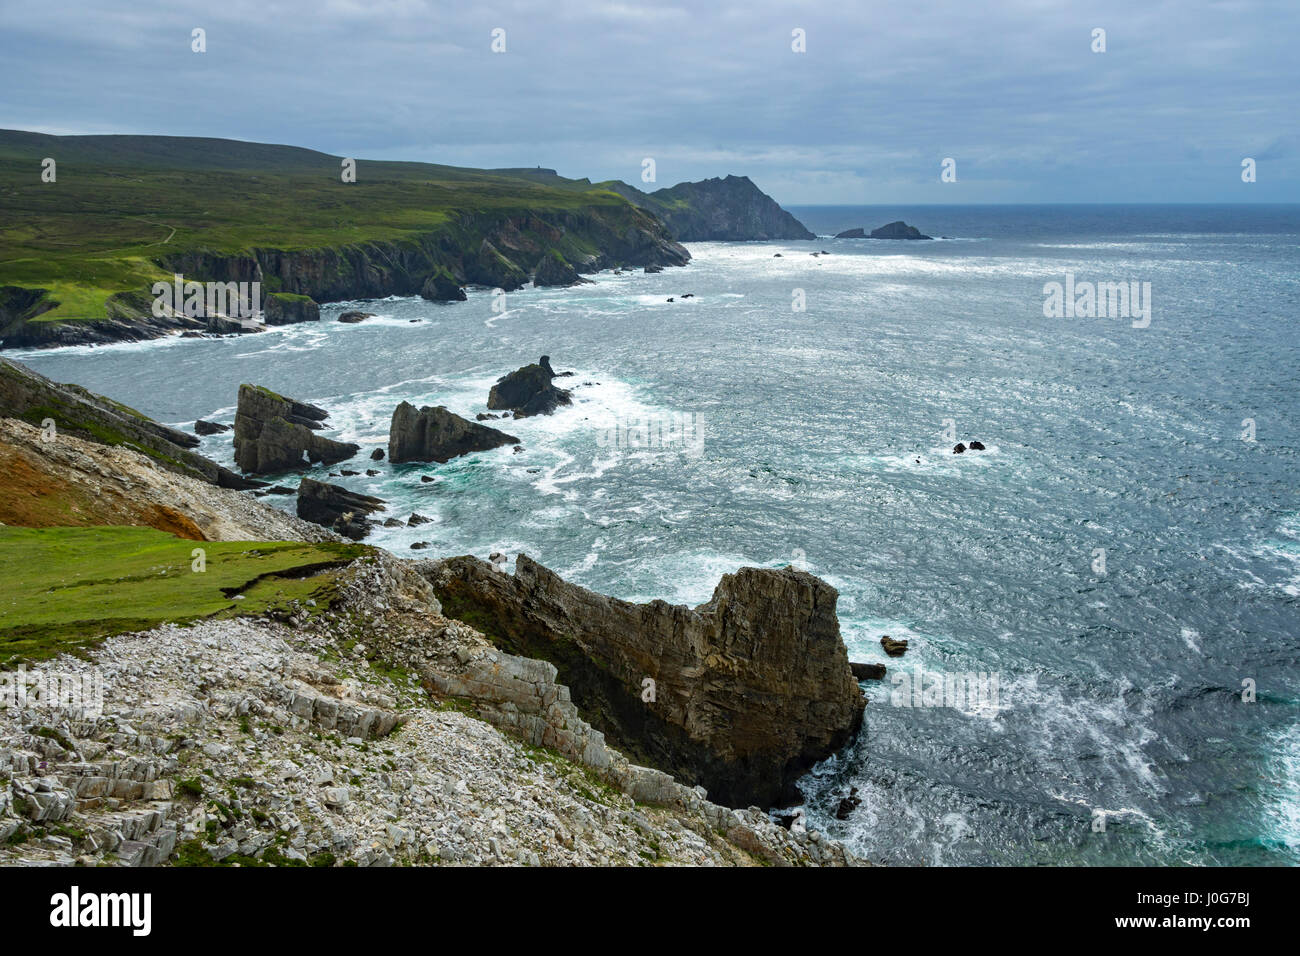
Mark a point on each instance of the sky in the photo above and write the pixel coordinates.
(1011, 90)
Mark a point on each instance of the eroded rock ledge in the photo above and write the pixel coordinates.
(749, 690)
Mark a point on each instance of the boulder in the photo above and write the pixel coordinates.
(209, 428)
(337, 508)
(958, 449)
(749, 690)
(435, 434)
(894, 648)
(417, 519)
(352, 318)
(274, 433)
(442, 286)
(653, 268)
(528, 391)
(867, 671)
(976, 446)
(377, 455)
(898, 230)
(848, 804)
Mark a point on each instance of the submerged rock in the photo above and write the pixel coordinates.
(528, 391)
(354, 317)
(740, 695)
(848, 804)
(274, 433)
(436, 434)
(337, 508)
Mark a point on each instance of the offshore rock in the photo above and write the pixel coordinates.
(436, 434)
(528, 391)
(274, 433)
(337, 508)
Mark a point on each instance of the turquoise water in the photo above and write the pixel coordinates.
(823, 439)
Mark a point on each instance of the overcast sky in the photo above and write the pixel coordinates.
(1010, 89)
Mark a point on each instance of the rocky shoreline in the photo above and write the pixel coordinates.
(426, 712)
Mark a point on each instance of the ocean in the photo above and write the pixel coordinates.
(1114, 580)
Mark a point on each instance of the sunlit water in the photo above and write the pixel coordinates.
(1119, 695)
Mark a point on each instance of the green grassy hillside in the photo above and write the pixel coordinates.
(121, 202)
(67, 587)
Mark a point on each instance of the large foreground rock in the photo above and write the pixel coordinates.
(528, 391)
(337, 508)
(749, 690)
(436, 434)
(274, 433)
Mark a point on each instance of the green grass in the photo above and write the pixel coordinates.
(66, 588)
(121, 204)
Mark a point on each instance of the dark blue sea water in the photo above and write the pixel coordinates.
(823, 437)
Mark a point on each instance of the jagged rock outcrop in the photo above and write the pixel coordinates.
(436, 434)
(337, 508)
(279, 308)
(33, 398)
(858, 233)
(274, 433)
(491, 268)
(740, 695)
(554, 270)
(442, 286)
(528, 391)
(898, 230)
(209, 428)
(730, 209)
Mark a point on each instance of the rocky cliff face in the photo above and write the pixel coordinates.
(274, 434)
(730, 209)
(500, 249)
(70, 481)
(33, 398)
(300, 721)
(740, 695)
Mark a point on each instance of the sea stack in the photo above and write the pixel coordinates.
(274, 433)
(436, 434)
(528, 391)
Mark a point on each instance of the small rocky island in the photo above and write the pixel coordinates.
(893, 230)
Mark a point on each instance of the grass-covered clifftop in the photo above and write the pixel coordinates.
(66, 587)
(78, 255)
